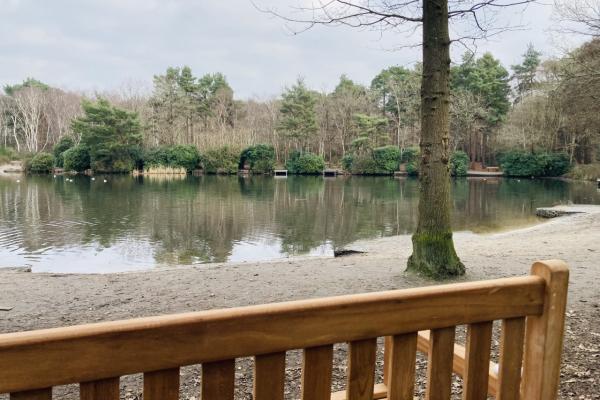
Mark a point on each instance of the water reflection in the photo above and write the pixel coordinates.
(132, 223)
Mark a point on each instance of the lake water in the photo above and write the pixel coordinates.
(131, 223)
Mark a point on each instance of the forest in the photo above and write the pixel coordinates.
(535, 118)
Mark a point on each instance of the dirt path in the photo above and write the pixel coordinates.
(50, 300)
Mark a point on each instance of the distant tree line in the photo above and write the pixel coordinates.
(544, 106)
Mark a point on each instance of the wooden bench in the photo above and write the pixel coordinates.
(531, 309)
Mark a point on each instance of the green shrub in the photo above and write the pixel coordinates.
(76, 159)
(387, 159)
(412, 167)
(117, 159)
(260, 157)
(223, 160)
(64, 144)
(379, 161)
(305, 163)
(554, 164)
(177, 156)
(41, 163)
(347, 161)
(521, 163)
(459, 163)
(364, 165)
(184, 156)
(409, 154)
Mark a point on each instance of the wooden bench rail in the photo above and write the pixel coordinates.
(98, 354)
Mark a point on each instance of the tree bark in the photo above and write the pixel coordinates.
(433, 248)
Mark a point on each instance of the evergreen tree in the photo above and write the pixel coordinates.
(524, 73)
(112, 135)
(298, 119)
(487, 78)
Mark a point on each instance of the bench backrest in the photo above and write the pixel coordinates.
(531, 309)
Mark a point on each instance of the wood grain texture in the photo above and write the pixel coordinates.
(39, 394)
(361, 369)
(477, 361)
(218, 380)
(269, 376)
(157, 343)
(400, 366)
(511, 358)
(106, 389)
(387, 346)
(458, 361)
(439, 364)
(544, 334)
(316, 373)
(162, 385)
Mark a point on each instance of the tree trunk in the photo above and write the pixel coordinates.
(433, 248)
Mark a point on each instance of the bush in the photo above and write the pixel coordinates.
(117, 159)
(521, 163)
(41, 163)
(364, 165)
(379, 161)
(409, 154)
(387, 159)
(64, 144)
(76, 159)
(223, 160)
(305, 163)
(347, 161)
(260, 157)
(459, 163)
(554, 164)
(177, 156)
(412, 168)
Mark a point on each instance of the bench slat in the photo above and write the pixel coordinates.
(477, 361)
(105, 389)
(317, 365)
(439, 363)
(400, 366)
(361, 369)
(162, 385)
(269, 376)
(511, 358)
(40, 394)
(218, 380)
(544, 334)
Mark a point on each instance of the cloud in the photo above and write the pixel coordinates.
(97, 44)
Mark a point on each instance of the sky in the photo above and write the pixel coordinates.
(91, 45)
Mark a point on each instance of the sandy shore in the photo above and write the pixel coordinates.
(50, 300)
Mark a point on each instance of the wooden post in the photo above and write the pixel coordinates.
(544, 334)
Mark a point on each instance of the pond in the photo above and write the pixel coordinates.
(125, 223)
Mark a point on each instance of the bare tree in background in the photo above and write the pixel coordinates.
(580, 17)
(433, 248)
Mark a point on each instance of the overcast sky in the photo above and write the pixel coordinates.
(101, 44)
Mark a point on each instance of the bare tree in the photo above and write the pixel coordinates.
(433, 247)
(60, 109)
(580, 17)
(30, 103)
